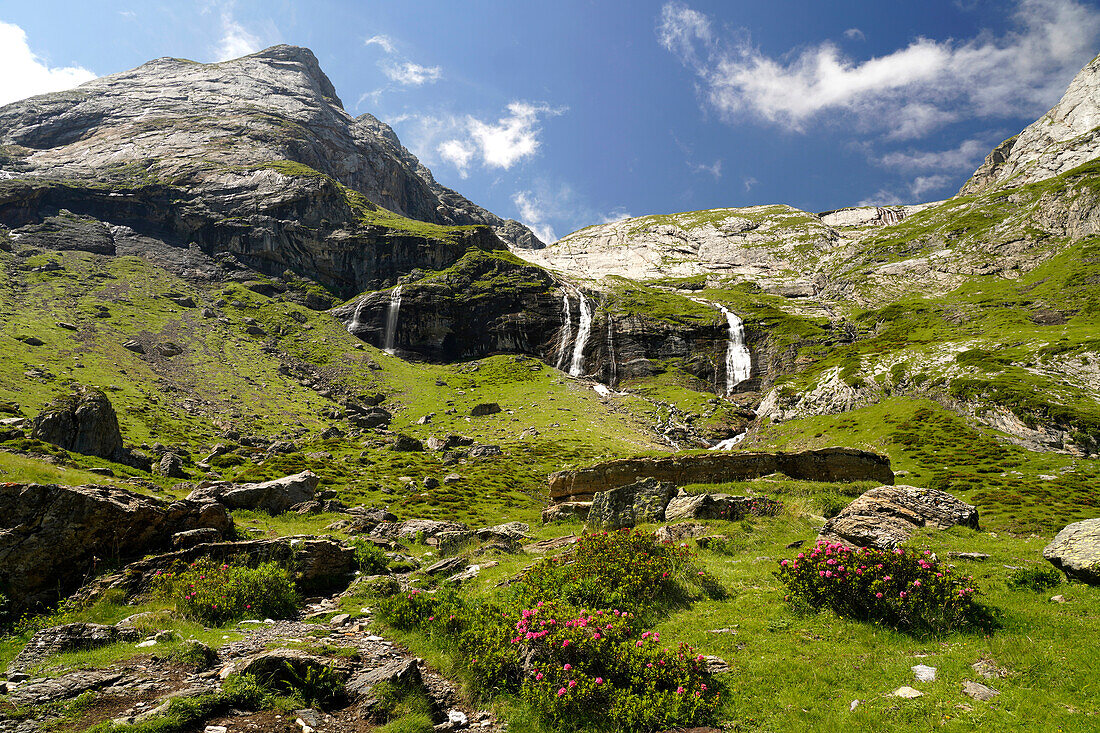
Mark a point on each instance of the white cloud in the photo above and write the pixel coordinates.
(714, 169)
(882, 197)
(511, 138)
(532, 213)
(25, 74)
(382, 41)
(966, 156)
(908, 92)
(236, 41)
(410, 74)
(458, 153)
(855, 34)
(749, 182)
(922, 185)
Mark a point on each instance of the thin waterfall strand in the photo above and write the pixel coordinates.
(566, 329)
(391, 320)
(611, 350)
(583, 329)
(355, 322)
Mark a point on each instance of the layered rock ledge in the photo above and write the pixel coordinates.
(823, 464)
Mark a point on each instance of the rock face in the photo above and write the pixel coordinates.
(255, 157)
(84, 422)
(626, 506)
(273, 497)
(67, 638)
(824, 464)
(52, 537)
(1062, 139)
(887, 516)
(1076, 551)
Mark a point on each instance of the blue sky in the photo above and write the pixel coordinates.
(575, 112)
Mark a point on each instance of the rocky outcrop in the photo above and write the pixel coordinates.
(67, 638)
(316, 563)
(52, 538)
(273, 497)
(626, 506)
(1076, 551)
(1062, 139)
(887, 516)
(83, 422)
(823, 464)
(66, 231)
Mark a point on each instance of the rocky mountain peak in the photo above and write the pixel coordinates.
(1062, 139)
(196, 125)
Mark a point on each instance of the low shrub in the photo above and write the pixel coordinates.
(185, 713)
(370, 557)
(215, 594)
(1036, 578)
(904, 588)
(578, 663)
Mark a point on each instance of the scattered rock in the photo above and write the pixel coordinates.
(974, 556)
(412, 528)
(192, 537)
(565, 511)
(680, 532)
(626, 506)
(718, 506)
(32, 340)
(273, 497)
(331, 432)
(988, 669)
(907, 692)
(286, 666)
(486, 408)
(924, 673)
(135, 346)
(545, 547)
(170, 465)
(887, 516)
(485, 451)
(169, 349)
(1076, 551)
(446, 566)
(1058, 599)
(83, 422)
(979, 691)
(406, 443)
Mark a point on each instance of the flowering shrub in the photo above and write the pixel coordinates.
(577, 667)
(214, 594)
(904, 588)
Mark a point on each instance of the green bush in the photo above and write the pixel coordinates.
(904, 588)
(370, 557)
(578, 663)
(214, 594)
(1036, 578)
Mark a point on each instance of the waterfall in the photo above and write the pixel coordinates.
(738, 358)
(577, 368)
(391, 320)
(566, 329)
(611, 351)
(729, 443)
(355, 322)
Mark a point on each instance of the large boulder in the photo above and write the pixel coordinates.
(626, 506)
(887, 516)
(83, 422)
(53, 537)
(718, 506)
(426, 529)
(273, 497)
(1076, 551)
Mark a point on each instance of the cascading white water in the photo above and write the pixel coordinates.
(611, 351)
(353, 327)
(729, 443)
(566, 329)
(391, 320)
(583, 329)
(738, 358)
